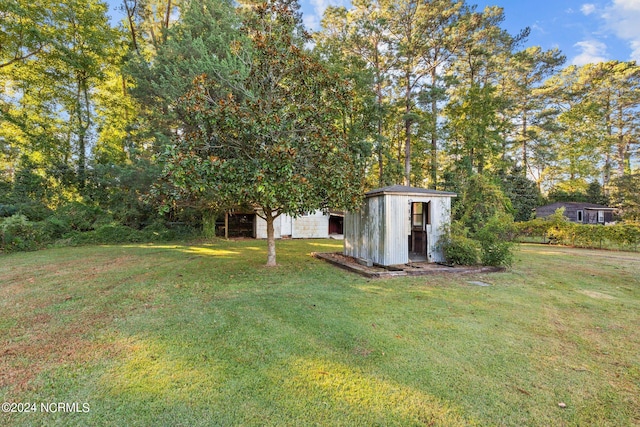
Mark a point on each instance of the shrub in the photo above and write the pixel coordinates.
(561, 231)
(17, 233)
(534, 228)
(34, 211)
(80, 216)
(495, 239)
(55, 227)
(480, 201)
(458, 249)
(627, 234)
(7, 210)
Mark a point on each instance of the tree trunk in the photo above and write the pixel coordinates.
(407, 151)
(271, 240)
(209, 224)
(434, 131)
(525, 159)
(83, 126)
(379, 128)
(130, 18)
(407, 134)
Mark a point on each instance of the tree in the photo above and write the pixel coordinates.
(198, 44)
(59, 56)
(626, 195)
(481, 200)
(526, 70)
(275, 138)
(359, 39)
(614, 87)
(475, 127)
(522, 192)
(417, 31)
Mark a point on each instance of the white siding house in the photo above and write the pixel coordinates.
(398, 224)
(311, 226)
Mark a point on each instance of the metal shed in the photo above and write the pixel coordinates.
(398, 224)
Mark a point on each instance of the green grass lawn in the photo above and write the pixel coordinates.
(203, 334)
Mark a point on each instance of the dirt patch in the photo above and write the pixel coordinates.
(39, 344)
(595, 294)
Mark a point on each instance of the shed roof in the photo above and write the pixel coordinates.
(406, 190)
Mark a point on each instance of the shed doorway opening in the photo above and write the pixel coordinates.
(420, 218)
(336, 224)
(242, 225)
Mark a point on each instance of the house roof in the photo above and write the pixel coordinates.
(406, 190)
(578, 205)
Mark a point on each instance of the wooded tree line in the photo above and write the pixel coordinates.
(153, 111)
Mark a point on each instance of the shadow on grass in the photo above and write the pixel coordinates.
(199, 335)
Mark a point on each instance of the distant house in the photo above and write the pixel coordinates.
(583, 213)
(398, 224)
(316, 224)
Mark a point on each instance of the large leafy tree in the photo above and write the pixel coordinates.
(359, 39)
(474, 124)
(53, 56)
(199, 43)
(613, 87)
(277, 137)
(524, 73)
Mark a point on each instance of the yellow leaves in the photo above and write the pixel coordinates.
(235, 47)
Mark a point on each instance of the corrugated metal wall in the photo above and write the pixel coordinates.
(379, 230)
(396, 223)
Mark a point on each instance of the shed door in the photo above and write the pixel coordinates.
(418, 240)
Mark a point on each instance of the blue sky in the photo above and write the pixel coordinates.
(585, 31)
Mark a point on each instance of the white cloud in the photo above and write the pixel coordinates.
(592, 51)
(538, 28)
(588, 8)
(312, 20)
(622, 18)
(635, 51)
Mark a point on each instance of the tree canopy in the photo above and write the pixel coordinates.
(274, 138)
(240, 106)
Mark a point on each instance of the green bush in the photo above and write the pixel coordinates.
(34, 211)
(627, 234)
(495, 239)
(561, 231)
(115, 233)
(458, 249)
(104, 234)
(7, 210)
(80, 216)
(17, 233)
(55, 227)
